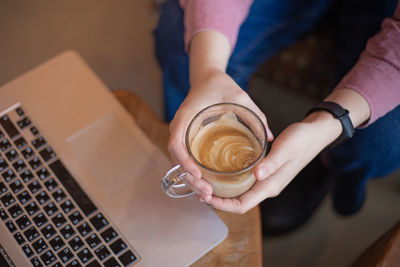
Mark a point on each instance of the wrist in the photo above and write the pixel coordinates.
(209, 54)
(326, 127)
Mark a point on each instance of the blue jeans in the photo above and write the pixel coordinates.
(270, 26)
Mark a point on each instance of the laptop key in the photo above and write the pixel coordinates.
(57, 264)
(56, 243)
(76, 243)
(15, 211)
(23, 222)
(59, 195)
(93, 241)
(11, 227)
(111, 263)
(26, 176)
(3, 214)
(59, 220)
(34, 131)
(1, 134)
(48, 257)
(50, 209)
(94, 263)
(65, 255)
(74, 263)
(16, 186)
(40, 220)
(85, 255)
(19, 165)
(84, 229)
(8, 175)
(34, 186)
(43, 173)
(98, 221)
(118, 246)
(42, 197)
(50, 184)
(35, 163)
(39, 246)
(48, 231)
(127, 258)
(31, 234)
(67, 206)
(19, 238)
(7, 200)
(75, 217)
(38, 142)
(12, 155)
(25, 122)
(4, 144)
(3, 164)
(28, 251)
(67, 232)
(20, 111)
(36, 262)
(102, 252)
(9, 126)
(3, 188)
(24, 197)
(27, 153)
(47, 154)
(32, 208)
(20, 143)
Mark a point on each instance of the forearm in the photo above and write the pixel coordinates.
(327, 128)
(209, 51)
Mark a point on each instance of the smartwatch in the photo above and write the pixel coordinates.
(342, 115)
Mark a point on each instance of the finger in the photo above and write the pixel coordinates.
(271, 163)
(178, 150)
(199, 186)
(241, 204)
(226, 204)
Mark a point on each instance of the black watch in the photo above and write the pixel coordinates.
(342, 115)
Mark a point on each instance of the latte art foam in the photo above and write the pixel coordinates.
(225, 145)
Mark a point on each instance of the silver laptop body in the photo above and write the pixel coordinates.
(83, 141)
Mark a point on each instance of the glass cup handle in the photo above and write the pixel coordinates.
(171, 181)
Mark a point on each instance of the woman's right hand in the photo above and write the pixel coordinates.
(209, 54)
(215, 86)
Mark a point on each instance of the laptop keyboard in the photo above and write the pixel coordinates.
(49, 215)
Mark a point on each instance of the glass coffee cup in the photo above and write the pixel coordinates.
(226, 141)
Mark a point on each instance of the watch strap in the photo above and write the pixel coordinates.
(342, 115)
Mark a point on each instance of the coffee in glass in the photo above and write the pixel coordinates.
(226, 141)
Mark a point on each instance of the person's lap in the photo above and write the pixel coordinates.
(270, 26)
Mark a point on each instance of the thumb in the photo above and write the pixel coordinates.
(269, 165)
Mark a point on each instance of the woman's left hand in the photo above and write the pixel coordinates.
(291, 151)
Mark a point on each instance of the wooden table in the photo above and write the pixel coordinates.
(383, 252)
(243, 246)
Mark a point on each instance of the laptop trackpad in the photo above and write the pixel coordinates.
(112, 154)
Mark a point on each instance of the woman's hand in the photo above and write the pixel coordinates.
(209, 54)
(291, 151)
(214, 87)
(294, 148)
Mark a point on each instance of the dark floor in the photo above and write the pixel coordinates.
(115, 39)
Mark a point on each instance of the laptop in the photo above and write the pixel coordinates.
(80, 181)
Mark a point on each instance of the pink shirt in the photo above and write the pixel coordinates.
(376, 75)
